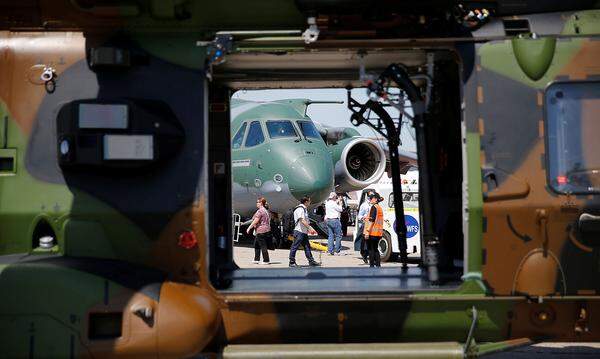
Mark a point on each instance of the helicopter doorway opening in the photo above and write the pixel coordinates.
(232, 274)
(288, 144)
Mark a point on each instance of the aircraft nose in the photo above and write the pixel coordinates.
(311, 176)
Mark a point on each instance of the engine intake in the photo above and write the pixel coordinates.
(361, 163)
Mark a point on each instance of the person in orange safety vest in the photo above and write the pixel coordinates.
(374, 230)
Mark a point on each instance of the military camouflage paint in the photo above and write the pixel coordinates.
(117, 236)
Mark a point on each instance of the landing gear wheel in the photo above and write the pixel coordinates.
(385, 248)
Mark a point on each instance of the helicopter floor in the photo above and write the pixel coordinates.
(336, 280)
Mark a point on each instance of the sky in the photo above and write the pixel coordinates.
(335, 115)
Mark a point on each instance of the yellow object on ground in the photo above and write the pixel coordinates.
(313, 244)
(318, 246)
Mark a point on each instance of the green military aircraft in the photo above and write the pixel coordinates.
(278, 152)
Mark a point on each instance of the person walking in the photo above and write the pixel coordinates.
(260, 221)
(301, 233)
(374, 230)
(334, 227)
(363, 214)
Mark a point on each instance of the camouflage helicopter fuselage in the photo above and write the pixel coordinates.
(141, 259)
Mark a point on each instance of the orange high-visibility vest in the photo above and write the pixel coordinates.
(375, 229)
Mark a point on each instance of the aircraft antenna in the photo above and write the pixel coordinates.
(312, 102)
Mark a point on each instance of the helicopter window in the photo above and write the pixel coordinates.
(308, 129)
(281, 129)
(239, 137)
(255, 135)
(572, 128)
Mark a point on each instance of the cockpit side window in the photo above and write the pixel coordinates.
(255, 135)
(308, 129)
(572, 137)
(279, 129)
(239, 137)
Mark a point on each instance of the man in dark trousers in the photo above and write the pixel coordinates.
(361, 218)
(374, 230)
(301, 233)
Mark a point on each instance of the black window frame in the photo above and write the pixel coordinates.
(547, 150)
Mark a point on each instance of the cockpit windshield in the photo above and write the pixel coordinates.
(279, 129)
(308, 129)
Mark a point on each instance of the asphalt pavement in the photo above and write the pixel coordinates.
(243, 254)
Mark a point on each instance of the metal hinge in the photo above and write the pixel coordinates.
(216, 51)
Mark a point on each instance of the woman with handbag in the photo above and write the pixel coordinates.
(261, 221)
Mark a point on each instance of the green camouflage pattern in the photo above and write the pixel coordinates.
(119, 237)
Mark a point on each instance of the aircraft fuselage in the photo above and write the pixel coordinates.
(278, 154)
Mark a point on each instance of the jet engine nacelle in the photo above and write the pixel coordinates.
(360, 162)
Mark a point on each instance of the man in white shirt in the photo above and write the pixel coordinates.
(301, 233)
(334, 226)
(363, 213)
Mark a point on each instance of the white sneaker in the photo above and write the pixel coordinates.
(256, 262)
(265, 263)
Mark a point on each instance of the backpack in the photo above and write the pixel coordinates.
(287, 221)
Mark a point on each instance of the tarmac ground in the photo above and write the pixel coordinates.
(243, 254)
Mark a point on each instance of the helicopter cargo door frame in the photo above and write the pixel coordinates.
(262, 69)
(220, 216)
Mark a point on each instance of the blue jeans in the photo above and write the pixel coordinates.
(300, 239)
(334, 229)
